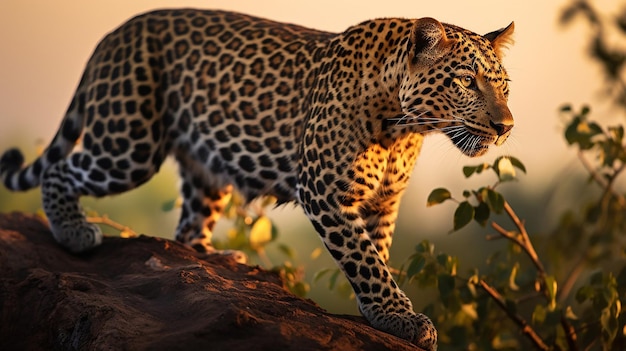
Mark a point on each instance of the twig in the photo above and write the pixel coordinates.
(523, 241)
(528, 246)
(264, 258)
(603, 183)
(519, 320)
(396, 271)
(569, 282)
(493, 237)
(124, 230)
(570, 334)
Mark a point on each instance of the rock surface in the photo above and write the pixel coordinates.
(153, 294)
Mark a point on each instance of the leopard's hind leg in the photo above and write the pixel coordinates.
(66, 217)
(65, 181)
(203, 205)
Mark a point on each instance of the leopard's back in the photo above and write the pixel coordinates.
(218, 90)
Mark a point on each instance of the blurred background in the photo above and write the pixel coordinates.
(44, 46)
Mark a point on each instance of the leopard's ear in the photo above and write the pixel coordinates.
(428, 41)
(501, 38)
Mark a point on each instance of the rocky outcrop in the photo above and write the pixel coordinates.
(153, 294)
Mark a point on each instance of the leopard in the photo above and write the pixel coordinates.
(331, 121)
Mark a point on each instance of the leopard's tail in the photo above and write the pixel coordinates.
(16, 177)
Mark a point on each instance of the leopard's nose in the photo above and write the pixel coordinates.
(501, 128)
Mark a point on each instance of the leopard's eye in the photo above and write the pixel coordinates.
(468, 81)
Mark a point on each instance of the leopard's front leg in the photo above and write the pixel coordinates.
(332, 200)
(380, 299)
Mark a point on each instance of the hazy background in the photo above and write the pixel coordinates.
(44, 46)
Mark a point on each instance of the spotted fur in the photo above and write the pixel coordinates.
(332, 121)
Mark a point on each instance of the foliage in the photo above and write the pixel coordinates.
(540, 305)
(252, 232)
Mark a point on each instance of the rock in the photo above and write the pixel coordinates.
(154, 294)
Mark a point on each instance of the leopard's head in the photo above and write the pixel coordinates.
(455, 83)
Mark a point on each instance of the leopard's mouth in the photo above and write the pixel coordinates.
(476, 150)
(471, 141)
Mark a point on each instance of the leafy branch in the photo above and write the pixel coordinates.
(554, 325)
(526, 329)
(489, 200)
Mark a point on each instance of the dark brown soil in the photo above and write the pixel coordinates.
(153, 294)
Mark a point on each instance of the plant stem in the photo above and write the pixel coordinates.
(523, 241)
(124, 230)
(570, 334)
(527, 330)
(575, 272)
(603, 183)
(264, 258)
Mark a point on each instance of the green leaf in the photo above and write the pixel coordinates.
(495, 201)
(517, 164)
(463, 215)
(596, 278)
(168, 205)
(571, 131)
(509, 161)
(449, 263)
(584, 293)
(300, 289)
(617, 133)
(469, 170)
(315, 253)
(610, 325)
(332, 281)
(581, 132)
(261, 232)
(585, 110)
(425, 247)
(469, 309)
(288, 251)
(594, 129)
(445, 284)
(319, 274)
(274, 231)
(442, 259)
(539, 315)
(512, 285)
(569, 314)
(481, 213)
(552, 288)
(438, 196)
(553, 318)
(417, 264)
